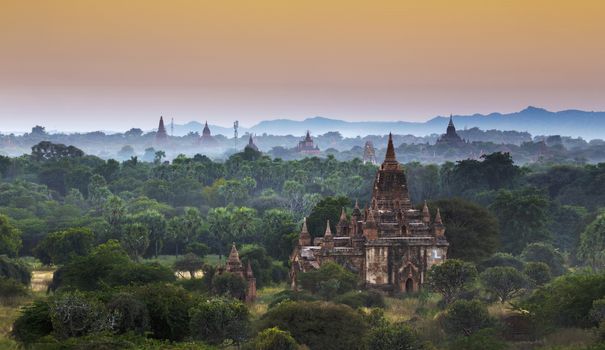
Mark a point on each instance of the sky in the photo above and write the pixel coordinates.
(115, 64)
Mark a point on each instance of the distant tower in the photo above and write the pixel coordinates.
(369, 154)
(235, 126)
(251, 144)
(171, 126)
(160, 135)
(451, 136)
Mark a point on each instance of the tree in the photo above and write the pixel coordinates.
(451, 278)
(398, 336)
(318, 325)
(504, 282)
(328, 208)
(546, 253)
(471, 230)
(278, 227)
(229, 284)
(130, 314)
(135, 240)
(33, 322)
(60, 247)
(538, 273)
(156, 225)
(219, 319)
(591, 250)
(272, 339)
(74, 314)
(14, 270)
(480, 340)
(523, 217)
(464, 318)
(48, 151)
(114, 212)
(330, 279)
(190, 263)
(10, 237)
(501, 259)
(185, 229)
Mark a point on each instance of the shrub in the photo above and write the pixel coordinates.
(481, 340)
(463, 318)
(329, 280)
(14, 269)
(501, 259)
(130, 314)
(60, 247)
(357, 299)
(10, 288)
(229, 284)
(33, 323)
(567, 300)
(396, 336)
(319, 325)
(168, 308)
(546, 253)
(219, 319)
(272, 339)
(291, 295)
(74, 314)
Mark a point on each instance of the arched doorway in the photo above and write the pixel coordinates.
(409, 286)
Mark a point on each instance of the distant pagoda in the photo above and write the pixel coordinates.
(450, 137)
(306, 146)
(206, 139)
(161, 135)
(369, 154)
(251, 144)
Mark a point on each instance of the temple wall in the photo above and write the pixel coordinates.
(377, 270)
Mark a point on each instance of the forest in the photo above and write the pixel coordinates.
(123, 254)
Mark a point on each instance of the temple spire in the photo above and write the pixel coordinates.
(426, 216)
(234, 254)
(343, 215)
(451, 123)
(390, 156)
(438, 220)
(304, 239)
(328, 232)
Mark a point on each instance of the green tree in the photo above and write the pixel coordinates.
(523, 217)
(538, 273)
(278, 227)
(33, 322)
(272, 339)
(464, 318)
(156, 225)
(320, 326)
(591, 250)
(60, 247)
(451, 278)
(10, 237)
(328, 208)
(114, 212)
(330, 279)
(229, 284)
(218, 319)
(546, 253)
(505, 282)
(501, 259)
(396, 336)
(135, 240)
(471, 230)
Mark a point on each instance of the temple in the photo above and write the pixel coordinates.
(390, 245)
(234, 266)
(306, 145)
(206, 139)
(450, 137)
(161, 135)
(369, 154)
(251, 144)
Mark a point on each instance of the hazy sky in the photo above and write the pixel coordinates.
(116, 64)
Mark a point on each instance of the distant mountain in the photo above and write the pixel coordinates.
(536, 121)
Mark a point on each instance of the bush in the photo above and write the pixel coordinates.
(396, 336)
(60, 247)
(272, 339)
(451, 278)
(136, 274)
(481, 340)
(329, 280)
(168, 308)
(546, 253)
(291, 295)
(217, 320)
(75, 314)
(33, 323)
(567, 300)
(319, 325)
(229, 284)
(10, 288)
(463, 318)
(357, 299)
(14, 269)
(130, 314)
(538, 273)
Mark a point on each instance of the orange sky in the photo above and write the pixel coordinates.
(66, 64)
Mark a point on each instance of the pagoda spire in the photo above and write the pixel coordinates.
(234, 254)
(304, 239)
(328, 232)
(426, 216)
(343, 215)
(249, 272)
(438, 220)
(390, 156)
(161, 133)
